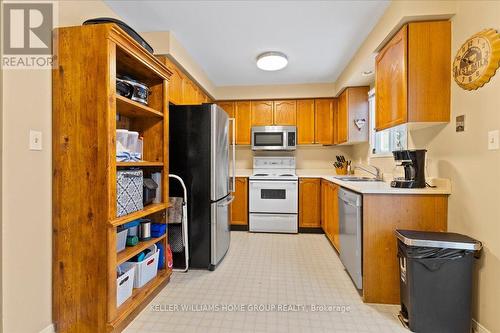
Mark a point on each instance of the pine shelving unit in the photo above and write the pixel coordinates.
(85, 112)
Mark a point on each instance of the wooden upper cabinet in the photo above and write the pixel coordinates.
(413, 75)
(175, 83)
(262, 113)
(239, 207)
(229, 107)
(305, 121)
(352, 109)
(189, 92)
(324, 111)
(285, 113)
(341, 119)
(390, 82)
(243, 115)
(310, 203)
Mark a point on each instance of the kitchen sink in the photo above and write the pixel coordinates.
(357, 179)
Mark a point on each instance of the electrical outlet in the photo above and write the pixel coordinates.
(35, 140)
(493, 140)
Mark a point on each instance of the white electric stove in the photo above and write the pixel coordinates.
(273, 195)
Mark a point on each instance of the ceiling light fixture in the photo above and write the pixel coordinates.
(272, 61)
(367, 73)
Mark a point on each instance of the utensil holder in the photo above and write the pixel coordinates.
(341, 171)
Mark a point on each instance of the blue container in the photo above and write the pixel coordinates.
(158, 229)
(161, 258)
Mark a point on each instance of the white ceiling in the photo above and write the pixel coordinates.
(225, 37)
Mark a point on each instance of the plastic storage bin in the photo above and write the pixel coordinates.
(129, 191)
(133, 227)
(146, 269)
(436, 280)
(132, 141)
(124, 285)
(122, 137)
(121, 240)
(158, 229)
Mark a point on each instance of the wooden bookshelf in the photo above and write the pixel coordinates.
(132, 109)
(85, 112)
(129, 252)
(138, 164)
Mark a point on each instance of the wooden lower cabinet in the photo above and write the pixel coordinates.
(330, 212)
(239, 207)
(309, 203)
(380, 263)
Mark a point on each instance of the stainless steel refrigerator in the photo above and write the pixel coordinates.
(200, 154)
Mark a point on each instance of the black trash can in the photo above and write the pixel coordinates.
(436, 280)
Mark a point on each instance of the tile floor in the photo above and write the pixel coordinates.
(267, 269)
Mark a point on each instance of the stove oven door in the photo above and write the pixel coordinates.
(273, 196)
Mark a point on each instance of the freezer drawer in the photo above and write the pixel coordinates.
(220, 230)
(284, 223)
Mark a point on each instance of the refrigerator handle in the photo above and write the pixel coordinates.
(232, 120)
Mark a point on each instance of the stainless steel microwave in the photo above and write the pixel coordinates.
(274, 137)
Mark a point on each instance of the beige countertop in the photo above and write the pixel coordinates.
(443, 186)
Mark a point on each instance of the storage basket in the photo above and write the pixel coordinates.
(145, 270)
(124, 285)
(175, 210)
(121, 240)
(129, 190)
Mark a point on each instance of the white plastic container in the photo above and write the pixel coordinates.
(122, 137)
(145, 270)
(124, 285)
(132, 141)
(121, 240)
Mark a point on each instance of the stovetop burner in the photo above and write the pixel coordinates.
(261, 174)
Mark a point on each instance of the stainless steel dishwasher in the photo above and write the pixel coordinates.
(351, 233)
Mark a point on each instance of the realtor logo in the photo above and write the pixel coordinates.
(27, 34)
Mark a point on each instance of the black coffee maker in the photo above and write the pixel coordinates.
(413, 162)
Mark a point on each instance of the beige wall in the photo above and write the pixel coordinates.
(463, 157)
(26, 199)
(164, 42)
(307, 157)
(397, 13)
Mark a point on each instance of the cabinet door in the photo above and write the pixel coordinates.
(324, 187)
(285, 113)
(334, 230)
(305, 121)
(262, 113)
(342, 135)
(229, 108)
(391, 82)
(243, 122)
(175, 83)
(324, 109)
(239, 207)
(189, 95)
(309, 203)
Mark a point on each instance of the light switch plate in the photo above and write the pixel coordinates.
(35, 140)
(493, 140)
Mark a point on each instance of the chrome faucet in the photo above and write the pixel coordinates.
(378, 174)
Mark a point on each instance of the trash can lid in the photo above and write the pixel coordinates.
(446, 240)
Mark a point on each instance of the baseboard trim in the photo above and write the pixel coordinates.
(239, 227)
(478, 328)
(311, 231)
(49, 329)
